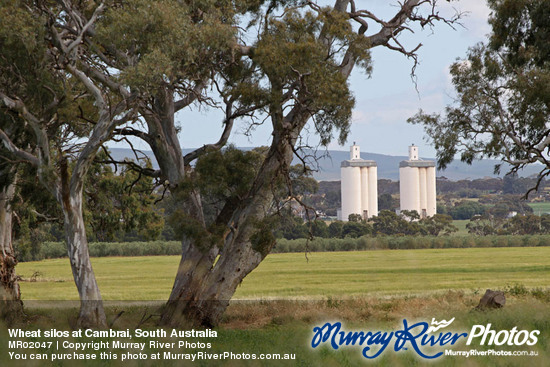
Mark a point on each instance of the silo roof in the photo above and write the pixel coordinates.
(417, 164)
(358, 163)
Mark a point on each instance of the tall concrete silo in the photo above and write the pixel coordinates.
(417, 184)
(359, 184)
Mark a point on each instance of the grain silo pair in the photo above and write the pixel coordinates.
(359, 184)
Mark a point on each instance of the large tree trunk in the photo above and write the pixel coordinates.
(10, 295)
(194, 264)
(91, 305)
(202, 290)
(193, 268)
(210, 301)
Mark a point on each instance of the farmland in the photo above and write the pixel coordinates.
(278, 304)
(540, 208)
(334, 274)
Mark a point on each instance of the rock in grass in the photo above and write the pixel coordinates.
(492, 299)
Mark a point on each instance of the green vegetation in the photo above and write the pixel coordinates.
(386, 223)
(285, 326)
(54, 250)
(540, 208)
(461, 226)
(336, 274)
(409, 242)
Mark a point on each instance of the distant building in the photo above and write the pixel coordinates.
(417, 184)
(359, 186)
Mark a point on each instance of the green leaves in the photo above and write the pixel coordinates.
(300, 54)
(117, 205)
(522, 28)
(166, 40)
(227, 173)
(24, 68)
(289, 48)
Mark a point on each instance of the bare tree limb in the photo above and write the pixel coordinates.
(11, 147)
(189, 157)
(126, 130)
(191, 97)
(85, 28)
(90, 86)
(41, 136)
(149, 172)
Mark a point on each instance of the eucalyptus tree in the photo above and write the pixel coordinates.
(293, 68)
(10, 125)
(502, 105)
(66, 115)
(10, 295)
(169, 53)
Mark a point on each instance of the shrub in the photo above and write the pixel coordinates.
(50, 250)
(53, 250)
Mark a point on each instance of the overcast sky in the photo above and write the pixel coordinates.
(386, 99)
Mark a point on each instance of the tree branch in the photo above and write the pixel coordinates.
(41, 136)
(85, 28)
(189, 157)
(134, 132)
(149, 172)
(90, 86)
(191, 97)
(12, 148)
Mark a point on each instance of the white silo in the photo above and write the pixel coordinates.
(358, 186)
(417, 184)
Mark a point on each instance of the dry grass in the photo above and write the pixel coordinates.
(259, 314)
(285, 326)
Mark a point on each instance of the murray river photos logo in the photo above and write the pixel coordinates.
(427, 340)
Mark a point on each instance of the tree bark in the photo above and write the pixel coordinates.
(202, 290)
(10, 295)
(91, 313)
(163, 139)
(193, 268)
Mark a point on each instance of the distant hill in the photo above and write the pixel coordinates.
(388, 165)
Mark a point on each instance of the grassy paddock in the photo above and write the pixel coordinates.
(540, 208)
(285, 326)
(329, 274)
(459, 239)
(461, 225)
(278, 305)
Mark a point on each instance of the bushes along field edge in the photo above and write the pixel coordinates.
(51, 250)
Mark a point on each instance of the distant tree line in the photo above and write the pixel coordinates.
(530, 224)
(387, 223)
(501, 206)
(327, 199)
(52, 250)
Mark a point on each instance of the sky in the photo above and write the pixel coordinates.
(386, 99)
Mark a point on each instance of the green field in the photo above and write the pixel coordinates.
(461, 225)
(540, 208)
(367, 290)
(334, 274)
